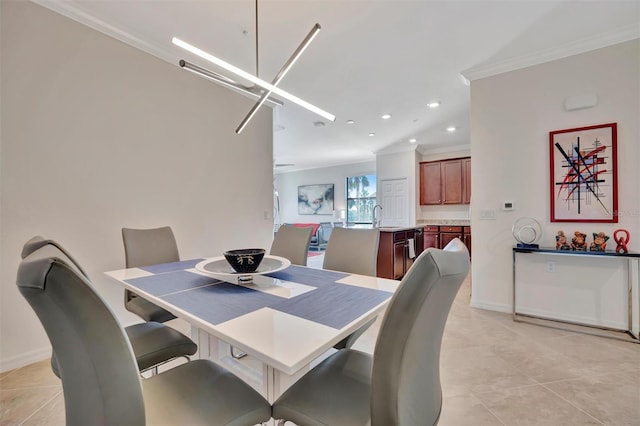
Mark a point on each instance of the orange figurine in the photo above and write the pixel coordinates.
(579, 241)
(599, 242)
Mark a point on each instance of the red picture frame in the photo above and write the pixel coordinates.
(584, 174)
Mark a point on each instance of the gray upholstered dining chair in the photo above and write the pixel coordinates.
(354, 251)
(144, 247)
(292, 243)
(400, 384)
(100, 379)
(153, 343)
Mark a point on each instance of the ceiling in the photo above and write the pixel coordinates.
(370, 58)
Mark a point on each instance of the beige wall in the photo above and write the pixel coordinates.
(511, 117)
(97, 135)
(287, 186)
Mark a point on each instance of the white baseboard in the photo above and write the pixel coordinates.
(587, 321)
(25, 359)
(490, 306)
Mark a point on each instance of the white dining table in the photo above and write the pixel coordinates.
(286, 321)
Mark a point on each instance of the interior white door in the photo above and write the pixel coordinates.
(394, 198)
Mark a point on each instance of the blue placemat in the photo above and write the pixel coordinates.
(171, 282)
(333, 305)
(313, 277)
(172, 266)
(221, 302)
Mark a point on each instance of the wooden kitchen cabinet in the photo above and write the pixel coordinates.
(448, 233)
(451, 181)
(431, 236)
(445, 182)
(393, 252)
(399, 244)
(466, 234)
(430, 183)
(439, 236)
(466, 181)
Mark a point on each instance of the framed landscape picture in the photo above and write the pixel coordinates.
(584, 181)
(315, 199)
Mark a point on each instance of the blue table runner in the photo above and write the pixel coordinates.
(332, 304)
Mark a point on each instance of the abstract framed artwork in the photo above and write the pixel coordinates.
(584, 181)
(315, 199)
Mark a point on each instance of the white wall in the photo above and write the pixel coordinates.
(511, 117)
(96, 136)
(287, 186)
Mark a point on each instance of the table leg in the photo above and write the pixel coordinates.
(263, 378)
(634, 297)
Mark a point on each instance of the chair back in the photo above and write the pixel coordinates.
(51, 248)
(353, 250)
(405, 383)
(96, 363)
(292, 243)
(54, 249)
(325, 230)
(144, 247)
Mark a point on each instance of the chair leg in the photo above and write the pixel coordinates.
(154, 369)
(236, 356)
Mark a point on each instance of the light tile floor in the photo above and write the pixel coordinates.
(494, 372)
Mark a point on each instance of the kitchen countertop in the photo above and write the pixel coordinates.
(446, 222)
(398, 228)
(421, 224)
(387, 228)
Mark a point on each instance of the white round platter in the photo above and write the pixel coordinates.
(220, 266)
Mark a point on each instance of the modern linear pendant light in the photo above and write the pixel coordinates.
(269, 88)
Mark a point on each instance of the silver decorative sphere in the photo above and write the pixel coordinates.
(527, 231)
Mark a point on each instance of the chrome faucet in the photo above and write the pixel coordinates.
(376, 221)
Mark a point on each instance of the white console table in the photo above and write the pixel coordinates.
(632, 331)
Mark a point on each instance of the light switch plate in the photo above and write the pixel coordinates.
(488, 214)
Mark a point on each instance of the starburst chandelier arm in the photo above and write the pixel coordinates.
(255, 80)
(225, 81)
(283, 71)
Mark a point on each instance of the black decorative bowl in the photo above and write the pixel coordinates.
(244, 261)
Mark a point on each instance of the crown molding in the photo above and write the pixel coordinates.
(74, 11)
(619, 35)
(424, 149)
(396, 148)
(366, 162)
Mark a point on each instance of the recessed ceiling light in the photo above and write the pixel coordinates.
(451, 129)
(385, 116)
(434, 104)
(350, 122)
(372, 134)
(413, 140)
